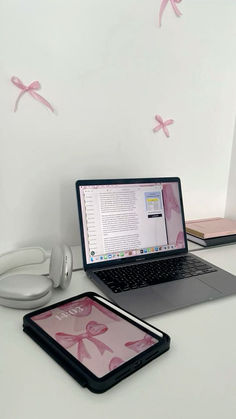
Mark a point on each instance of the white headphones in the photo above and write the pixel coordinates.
(31, 291)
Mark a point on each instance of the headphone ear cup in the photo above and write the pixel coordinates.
(25, 291)
(60, 269)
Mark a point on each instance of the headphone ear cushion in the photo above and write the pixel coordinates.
(60, 269)
(25, 291)
(26, 304)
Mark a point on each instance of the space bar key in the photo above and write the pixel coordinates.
(161, 279)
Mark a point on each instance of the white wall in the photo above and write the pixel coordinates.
(230, 210)
(108, 69)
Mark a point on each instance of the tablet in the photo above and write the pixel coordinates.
(95, 341)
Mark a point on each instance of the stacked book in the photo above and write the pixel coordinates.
(211, 231)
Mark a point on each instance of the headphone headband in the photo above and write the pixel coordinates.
(22, 257)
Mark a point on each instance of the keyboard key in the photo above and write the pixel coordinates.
(152, 273)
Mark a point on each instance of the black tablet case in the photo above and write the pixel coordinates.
(75, 368)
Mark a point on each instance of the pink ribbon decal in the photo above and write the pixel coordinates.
(163, 125)
(142, 344)
(163, 6)
(35, 85)
(92, 329)
(83, 308)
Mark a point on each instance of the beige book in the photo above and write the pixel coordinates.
(211, 227)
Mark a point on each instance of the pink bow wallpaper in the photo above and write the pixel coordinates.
(94, 335)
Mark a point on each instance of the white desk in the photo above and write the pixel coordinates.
(195, 379)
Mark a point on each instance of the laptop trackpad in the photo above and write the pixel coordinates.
(185, 292)
(149, 301)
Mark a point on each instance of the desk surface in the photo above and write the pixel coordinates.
(195, 379)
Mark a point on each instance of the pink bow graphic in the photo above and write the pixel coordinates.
(142, 344)
(35, 85)
(170, 200)
(163, 6)
(84, 306)
(115, 362)
(92, 329)
(163, 125)
(42, 316)
(180, 240)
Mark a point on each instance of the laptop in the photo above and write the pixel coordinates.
(135, 250)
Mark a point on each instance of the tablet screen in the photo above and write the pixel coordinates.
(96, 336)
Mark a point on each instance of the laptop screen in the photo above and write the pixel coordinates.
(123, 220)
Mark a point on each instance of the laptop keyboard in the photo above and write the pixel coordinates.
(145, 274)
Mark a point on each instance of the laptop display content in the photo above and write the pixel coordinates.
(134, 219)
(134, 246)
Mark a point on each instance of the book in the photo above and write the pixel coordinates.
(214, 241)
(209, 228)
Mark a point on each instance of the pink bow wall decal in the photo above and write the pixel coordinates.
(92, 329)
(35, 85)
(83, 308)
(163, 6)
(142, 344)
(163, 125)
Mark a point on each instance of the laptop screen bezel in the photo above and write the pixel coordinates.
(136, 258)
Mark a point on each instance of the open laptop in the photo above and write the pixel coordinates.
(134, 246)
